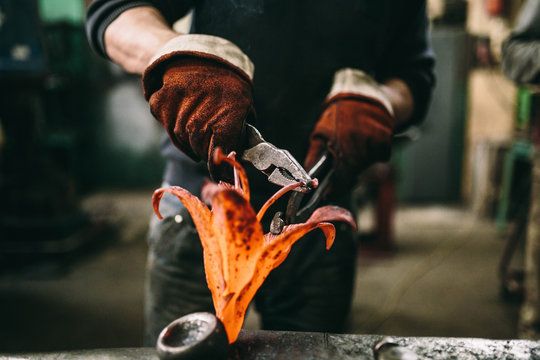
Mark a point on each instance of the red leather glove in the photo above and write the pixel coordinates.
(202, 99)
(356, 127)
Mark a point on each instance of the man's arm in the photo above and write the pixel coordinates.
(401, 98)
(140, 27)
(133, 38)
(406, 72)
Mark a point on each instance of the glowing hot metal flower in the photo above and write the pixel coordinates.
(237, 255)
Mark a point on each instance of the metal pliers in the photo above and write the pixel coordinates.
(278, 165)
(283, 169)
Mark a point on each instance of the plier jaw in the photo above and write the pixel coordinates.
(278, 165)
(283, 169)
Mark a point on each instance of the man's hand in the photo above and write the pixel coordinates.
(201, 98)
(357, 130)
(357, 122)
(201, 102)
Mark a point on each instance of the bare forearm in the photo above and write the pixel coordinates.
(133, 38)
(401, 99)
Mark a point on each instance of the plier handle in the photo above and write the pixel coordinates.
(297, 213)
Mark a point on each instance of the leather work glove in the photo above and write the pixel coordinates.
(199, 88)
(356, 126)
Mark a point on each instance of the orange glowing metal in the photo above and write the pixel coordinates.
(237, 255)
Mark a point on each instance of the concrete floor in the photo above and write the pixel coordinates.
(441, 281)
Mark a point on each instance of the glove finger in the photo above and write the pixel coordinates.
(218, 172)
(317, 146)
(227, 136)
(365, 152)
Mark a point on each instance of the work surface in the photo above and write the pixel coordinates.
(269, 345)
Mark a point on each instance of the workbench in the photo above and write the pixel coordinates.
(274, 345)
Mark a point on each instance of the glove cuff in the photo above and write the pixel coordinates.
(354, 81)
(210, 45)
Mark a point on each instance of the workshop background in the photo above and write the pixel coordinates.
(441, 246)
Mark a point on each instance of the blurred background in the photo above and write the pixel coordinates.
(441, 226)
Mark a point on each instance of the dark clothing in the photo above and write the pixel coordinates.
(296, 47)
(521, 51)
